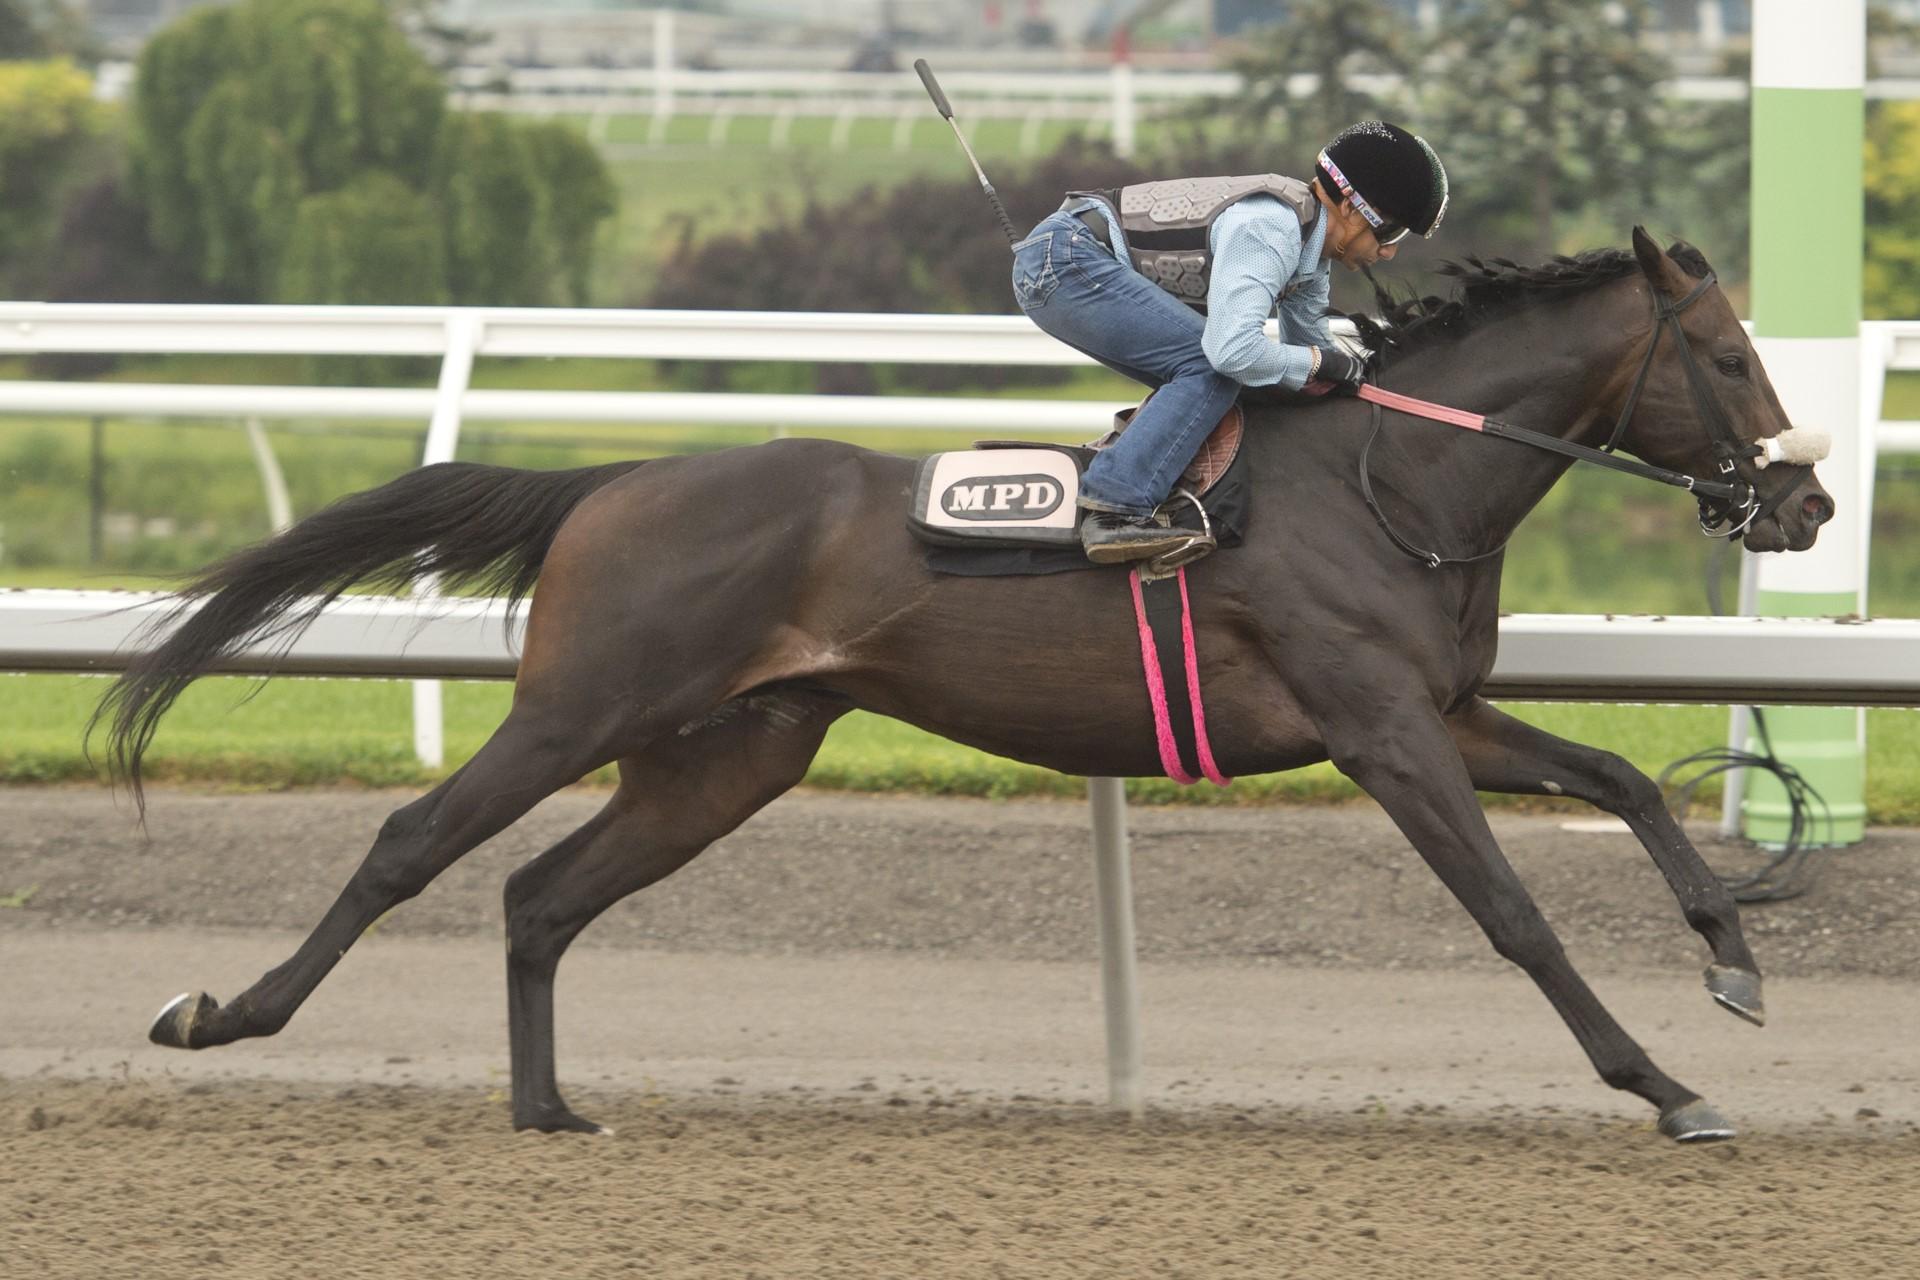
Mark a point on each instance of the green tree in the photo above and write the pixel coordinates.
(1548, 107)
(48, 121)
(244, 117)
(577, 195)
(1892, 272)
(375, 240)
(1337, 43)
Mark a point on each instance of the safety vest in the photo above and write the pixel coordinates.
(1167, 224)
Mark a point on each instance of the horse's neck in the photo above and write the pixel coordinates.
(1541, 369)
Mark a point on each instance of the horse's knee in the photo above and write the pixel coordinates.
(1520, 934)
(400, 864)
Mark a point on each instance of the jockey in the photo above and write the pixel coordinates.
(1170, 283)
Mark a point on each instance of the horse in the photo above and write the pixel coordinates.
(701, 620)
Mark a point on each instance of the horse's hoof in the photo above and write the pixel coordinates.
(1695, 1121)
(174, 1027)
(1737, 991)
(561, 1121)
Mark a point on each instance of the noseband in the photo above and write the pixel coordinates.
(1728, 507)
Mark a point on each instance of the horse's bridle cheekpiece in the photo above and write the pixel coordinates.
(1727, 507)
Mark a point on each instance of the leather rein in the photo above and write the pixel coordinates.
(1728, 507)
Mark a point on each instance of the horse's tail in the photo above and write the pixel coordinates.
(491, 526)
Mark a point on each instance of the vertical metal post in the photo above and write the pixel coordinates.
(1808, 120)
(279, 506)
(97, 493)
(1113, 899)
(443, 440)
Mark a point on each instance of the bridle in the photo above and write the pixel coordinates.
(1728, 507)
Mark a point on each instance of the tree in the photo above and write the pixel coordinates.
(1892, 271)
(253, 124)
(1336, 41)
(1548, 106)
(48, 121)
(375, 240)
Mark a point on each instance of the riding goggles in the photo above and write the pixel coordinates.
(1386, 231)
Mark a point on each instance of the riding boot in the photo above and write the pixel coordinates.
(1111, 537)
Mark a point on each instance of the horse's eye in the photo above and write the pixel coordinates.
(1732, 366)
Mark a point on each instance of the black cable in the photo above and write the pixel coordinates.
(1791, 871)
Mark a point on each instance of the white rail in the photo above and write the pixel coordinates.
(29, 327)
(1580, 657)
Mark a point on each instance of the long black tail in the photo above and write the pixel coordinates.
(490, 526)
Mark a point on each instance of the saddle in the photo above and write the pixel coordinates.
(1009, 506)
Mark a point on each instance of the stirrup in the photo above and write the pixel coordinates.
(1194, 548)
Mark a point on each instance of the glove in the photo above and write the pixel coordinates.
(1338, 366)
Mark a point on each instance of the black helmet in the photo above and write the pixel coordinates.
(1394, 178)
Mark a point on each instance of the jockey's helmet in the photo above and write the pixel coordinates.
(1393, 178)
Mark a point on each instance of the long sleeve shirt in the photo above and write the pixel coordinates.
(1258, 250)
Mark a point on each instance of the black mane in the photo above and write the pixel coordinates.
(1497, 286)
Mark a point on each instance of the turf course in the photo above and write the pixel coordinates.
(294, 732)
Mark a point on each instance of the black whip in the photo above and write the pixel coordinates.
(946, 109)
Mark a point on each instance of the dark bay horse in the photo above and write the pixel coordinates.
(702, 620)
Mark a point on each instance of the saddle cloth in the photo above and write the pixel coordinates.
(1015, 494)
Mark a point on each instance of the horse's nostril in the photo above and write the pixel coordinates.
(1818, 507)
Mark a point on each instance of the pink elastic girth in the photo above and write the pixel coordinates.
(1422, 408)
(1157, 690)
(1207, 766)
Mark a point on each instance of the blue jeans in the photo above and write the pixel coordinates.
(1071, 286)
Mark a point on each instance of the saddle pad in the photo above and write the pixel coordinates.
(1022, 497)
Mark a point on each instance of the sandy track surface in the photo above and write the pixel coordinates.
(862, 1037)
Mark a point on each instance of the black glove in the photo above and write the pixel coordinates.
(1337, 365)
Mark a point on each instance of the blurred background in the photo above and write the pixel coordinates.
(780, 154)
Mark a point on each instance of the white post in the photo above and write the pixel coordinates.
(1113, 899)
(1808, 119)
(443, 440)
(1713, 27)
(662, 66)
(279, 509)
(1123, 104)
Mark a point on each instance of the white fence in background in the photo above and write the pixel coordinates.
(1102, 99)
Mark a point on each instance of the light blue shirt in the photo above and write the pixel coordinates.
(1258, 250)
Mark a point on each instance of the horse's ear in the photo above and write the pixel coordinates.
(1659, 269)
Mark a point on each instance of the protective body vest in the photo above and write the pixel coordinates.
(1167, 224)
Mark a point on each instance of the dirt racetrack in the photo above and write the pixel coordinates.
(862, 1037)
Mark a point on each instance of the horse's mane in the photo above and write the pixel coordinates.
(1497, 286)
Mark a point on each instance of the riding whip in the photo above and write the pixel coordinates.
(946, 109)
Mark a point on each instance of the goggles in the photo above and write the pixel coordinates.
(1386, 231)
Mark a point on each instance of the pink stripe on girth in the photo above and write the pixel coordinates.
(1207, 766)
(1422, 408)
(1156, 689)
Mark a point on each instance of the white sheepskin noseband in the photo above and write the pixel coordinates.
(1800, 447)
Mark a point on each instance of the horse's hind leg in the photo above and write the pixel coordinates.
(677, 797)
(1509, 755)
(533, 754)
(1409, 764)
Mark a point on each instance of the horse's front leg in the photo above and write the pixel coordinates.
(1402, 755)
(1509, 755)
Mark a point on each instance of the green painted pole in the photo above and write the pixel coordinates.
(1809, 119)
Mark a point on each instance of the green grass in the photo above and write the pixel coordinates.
(294, 732)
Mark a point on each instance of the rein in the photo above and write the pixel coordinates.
(1721, 503)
